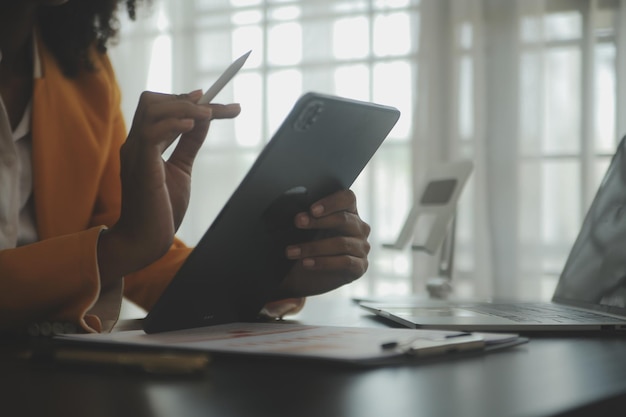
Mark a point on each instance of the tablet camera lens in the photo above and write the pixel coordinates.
(309, 115)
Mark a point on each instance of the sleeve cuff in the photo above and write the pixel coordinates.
(281, 308)
(105, 311)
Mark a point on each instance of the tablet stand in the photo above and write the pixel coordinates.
(431, 222)
(440, 286)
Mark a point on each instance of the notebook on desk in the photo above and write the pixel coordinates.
(321, 147)
(591, 292)
(280, 339)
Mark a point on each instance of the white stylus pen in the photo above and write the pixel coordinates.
(224, 79)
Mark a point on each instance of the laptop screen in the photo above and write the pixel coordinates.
(594, 275)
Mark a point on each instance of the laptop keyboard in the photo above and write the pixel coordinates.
(541, 313)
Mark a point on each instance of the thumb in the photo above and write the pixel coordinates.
(189, 144)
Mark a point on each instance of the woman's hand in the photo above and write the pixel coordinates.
(155, 192)
(337, 258)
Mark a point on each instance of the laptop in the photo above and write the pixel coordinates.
(321, 147)
(590, 294)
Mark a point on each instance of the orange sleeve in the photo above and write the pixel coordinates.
(78, 130)
(76, 134)
(146, 286)
(55, 279)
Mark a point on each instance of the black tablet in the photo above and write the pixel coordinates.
(321, 147)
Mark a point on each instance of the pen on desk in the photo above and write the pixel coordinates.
(389, 345)
(461, 334)
(395, 344)
(423, 346)
(171, 363)
(153, 362)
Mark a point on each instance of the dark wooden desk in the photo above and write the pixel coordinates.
(549, 376)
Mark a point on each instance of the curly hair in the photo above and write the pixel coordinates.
(72, 29)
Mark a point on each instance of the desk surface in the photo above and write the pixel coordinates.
(549, 376)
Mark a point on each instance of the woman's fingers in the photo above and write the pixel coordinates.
(190, 142)
(340, 255)
(335, 246)
(225, 111)
(155, 193)
(342, 222)
(161, 118)
(343, 200)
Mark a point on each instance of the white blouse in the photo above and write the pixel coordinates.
(17, 214)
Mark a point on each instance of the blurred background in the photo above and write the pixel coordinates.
(529, 90)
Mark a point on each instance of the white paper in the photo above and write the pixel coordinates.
(286, 339)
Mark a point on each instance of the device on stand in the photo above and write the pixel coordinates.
(431, 222)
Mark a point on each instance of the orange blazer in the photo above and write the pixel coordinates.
(77, 131)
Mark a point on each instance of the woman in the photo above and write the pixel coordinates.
(88, 213)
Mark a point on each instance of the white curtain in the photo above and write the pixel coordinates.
(529, 90)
